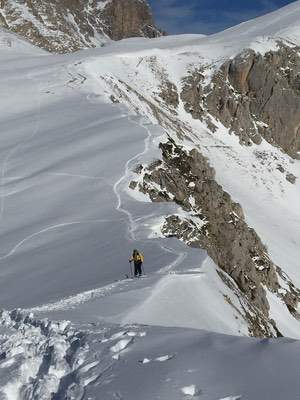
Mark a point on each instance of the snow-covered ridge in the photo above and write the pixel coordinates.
(260, 34)
(280, 24)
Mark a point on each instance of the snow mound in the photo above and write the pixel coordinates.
(121, 345)
(37, 354)
(232, 398)
(190, 391)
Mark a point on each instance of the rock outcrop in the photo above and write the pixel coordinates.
(124, 19)
(213, 221)
(63, 26)
(255, 96)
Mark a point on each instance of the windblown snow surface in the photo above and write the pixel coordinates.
(69, 223)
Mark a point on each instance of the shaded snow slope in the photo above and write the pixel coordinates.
(62, 153)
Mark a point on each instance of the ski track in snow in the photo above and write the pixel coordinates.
(116, 186)
(80, 298)
(179, 256)
(3, 177)
(123, 181)
(97, 178)
(16, 148)
(50, 228)
(72, 302)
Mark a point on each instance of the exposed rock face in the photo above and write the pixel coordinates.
(124, 19)
(217, 224)
(254, 96)
(68, 25)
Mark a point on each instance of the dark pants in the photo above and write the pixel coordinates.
(138, 268)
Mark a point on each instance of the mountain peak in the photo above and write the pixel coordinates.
(70, 25)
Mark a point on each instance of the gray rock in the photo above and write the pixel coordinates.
(128, 18)
(254, 96)
(291, 178)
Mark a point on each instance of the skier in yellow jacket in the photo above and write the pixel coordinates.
(138, 259)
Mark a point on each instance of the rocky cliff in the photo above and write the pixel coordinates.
(213, 221)
(255, 96)
(70, 25)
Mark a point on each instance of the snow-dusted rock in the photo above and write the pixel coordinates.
(66, 26)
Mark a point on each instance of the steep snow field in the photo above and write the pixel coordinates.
(250, 174)
(69, 223)
(66, 157)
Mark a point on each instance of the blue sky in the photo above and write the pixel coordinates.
(208, 16)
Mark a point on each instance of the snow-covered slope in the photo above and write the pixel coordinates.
(139, 77)
(75, 130)
(67, 220)
(14, 44)
(110, 362)
(280, 24)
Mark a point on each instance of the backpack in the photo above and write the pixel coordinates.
(140, 257)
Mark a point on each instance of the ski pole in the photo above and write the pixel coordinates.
(130, 269)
